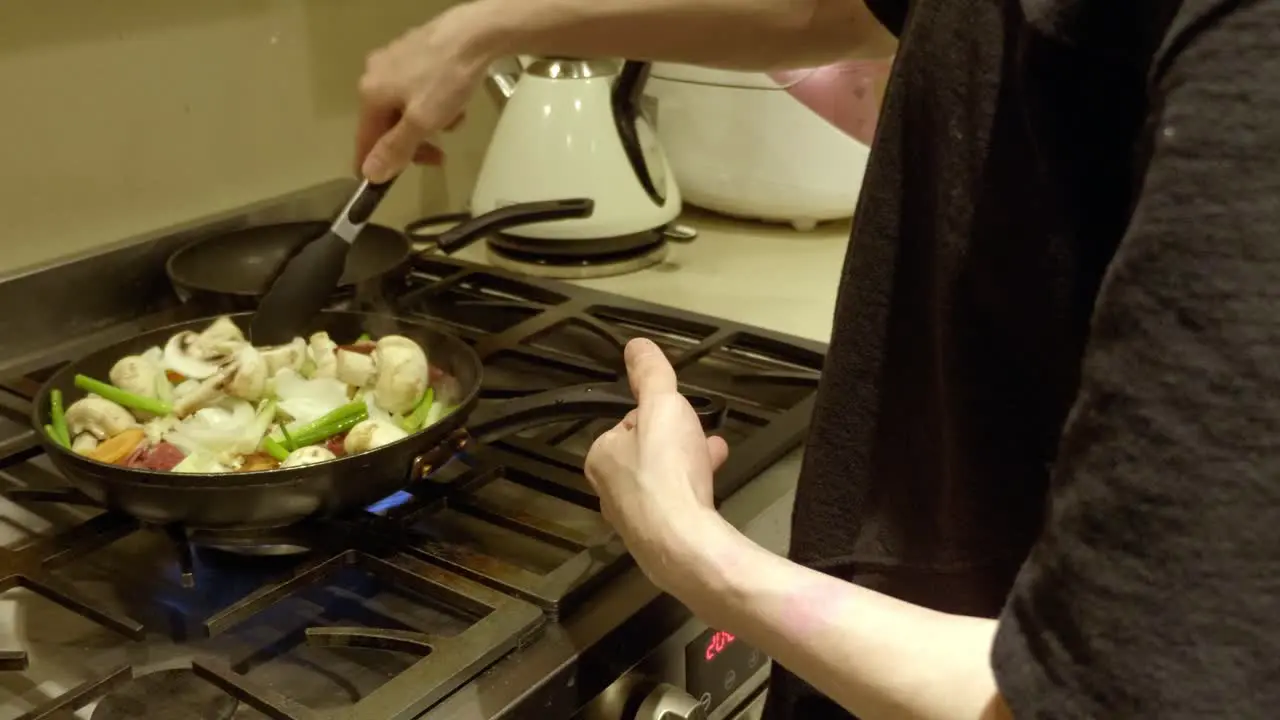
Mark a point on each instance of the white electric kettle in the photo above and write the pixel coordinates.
(572, 128)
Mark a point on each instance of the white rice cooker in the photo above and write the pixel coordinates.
(784, 147)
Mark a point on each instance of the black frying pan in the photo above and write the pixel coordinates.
(275, 498)
(234, 270)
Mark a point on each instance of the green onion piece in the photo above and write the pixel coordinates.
(53, 435)
(122, 398)
(320, 433)
(58, 419)
(364, 337)
(414, 421)
(274, 449)
(335, 423)
(289, 444)
(334, 416)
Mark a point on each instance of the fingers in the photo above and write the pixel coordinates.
(393, 152)
(718, 449)
(375, 121)
(648, 370)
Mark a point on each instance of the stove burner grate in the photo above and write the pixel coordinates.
(509, 536)
(576, 267)
(166, 694)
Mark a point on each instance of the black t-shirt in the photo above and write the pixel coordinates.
(1053, 388)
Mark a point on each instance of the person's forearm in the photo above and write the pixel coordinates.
(876, 656)
(744, 34)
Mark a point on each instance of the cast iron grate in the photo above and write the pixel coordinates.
(497, 622)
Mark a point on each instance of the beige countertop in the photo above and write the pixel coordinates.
(770, 276)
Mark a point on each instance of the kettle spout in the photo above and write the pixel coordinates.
(503, 76)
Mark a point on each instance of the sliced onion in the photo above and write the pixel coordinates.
(307, 400)
(201, 463)
(375, 411)
(434, 413)
(223, 430)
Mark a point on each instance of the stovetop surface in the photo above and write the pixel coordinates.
(387, 611)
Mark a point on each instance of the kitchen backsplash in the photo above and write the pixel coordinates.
(121, 117)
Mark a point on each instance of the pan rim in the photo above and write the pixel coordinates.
(250, 478)
(175, 256)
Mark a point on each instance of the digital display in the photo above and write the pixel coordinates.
(716, 664)
(717, 644)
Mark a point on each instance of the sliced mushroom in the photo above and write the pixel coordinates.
(291, 356)
(84, 443)
(220, 339)
(370, 434)
(309, 455)
(208, 392)
(184, 355)
(354, 368)
(324, 353)
(99, 417)
(248, 378)
(402, 373)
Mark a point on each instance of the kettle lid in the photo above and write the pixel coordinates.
(565, 68)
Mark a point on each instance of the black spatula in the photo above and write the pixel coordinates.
(303, 287)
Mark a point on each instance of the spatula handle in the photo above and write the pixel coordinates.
(356, 214)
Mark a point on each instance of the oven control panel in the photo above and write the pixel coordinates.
(698, 673)
(716, 664)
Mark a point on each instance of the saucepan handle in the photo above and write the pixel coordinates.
(608, 400)
(472, 229)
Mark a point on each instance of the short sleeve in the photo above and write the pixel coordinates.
(1154, 591)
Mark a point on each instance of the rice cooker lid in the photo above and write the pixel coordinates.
(694, 75)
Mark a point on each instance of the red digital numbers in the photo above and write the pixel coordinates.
(717, 644)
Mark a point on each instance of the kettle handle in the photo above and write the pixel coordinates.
(472, 229)
(625, 98)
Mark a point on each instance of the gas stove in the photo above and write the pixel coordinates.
(493, 590)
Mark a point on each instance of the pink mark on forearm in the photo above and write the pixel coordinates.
(810, 609)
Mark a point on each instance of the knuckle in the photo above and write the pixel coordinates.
(418, 118)
(370, 85)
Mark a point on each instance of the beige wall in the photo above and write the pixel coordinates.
(123, 116)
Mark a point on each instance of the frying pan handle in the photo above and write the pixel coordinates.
(609, 400)
(472, 229)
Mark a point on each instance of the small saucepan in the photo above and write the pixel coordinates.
(232, 272)
(283, 496)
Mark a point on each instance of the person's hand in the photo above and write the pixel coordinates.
(653, 472)
(411, 90)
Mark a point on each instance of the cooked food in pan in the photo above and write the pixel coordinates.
(211, 402)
